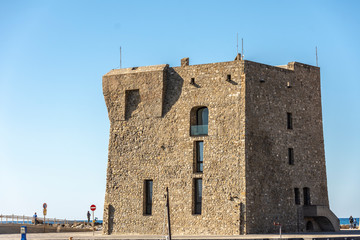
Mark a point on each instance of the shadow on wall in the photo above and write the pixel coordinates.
(111, 219)
(172, 90)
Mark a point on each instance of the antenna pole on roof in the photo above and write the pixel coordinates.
(317, 62)
(242, 49)
(120, 56)
(237, 43)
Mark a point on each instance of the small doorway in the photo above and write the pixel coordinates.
(309, 226)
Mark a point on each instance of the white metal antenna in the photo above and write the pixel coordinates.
(242, 49)
(317, 62)
(237, 43)
(120, 56)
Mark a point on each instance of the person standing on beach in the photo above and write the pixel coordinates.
(35, 218)
(355, 223)
(351, 220)
(88, 216)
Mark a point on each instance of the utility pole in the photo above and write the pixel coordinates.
(120, 56)
(168, 211)
(237, 44)
(242, 49)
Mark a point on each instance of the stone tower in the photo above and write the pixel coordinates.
(239, 144)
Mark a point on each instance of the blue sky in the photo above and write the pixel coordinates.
(53, 121)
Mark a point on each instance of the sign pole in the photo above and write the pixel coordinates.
(93, 208)
(44, 212)
(278, 224)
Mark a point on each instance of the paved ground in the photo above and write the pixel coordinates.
(342, 235)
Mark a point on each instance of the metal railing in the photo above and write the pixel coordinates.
(22, 219)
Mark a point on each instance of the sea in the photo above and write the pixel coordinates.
(345, 221)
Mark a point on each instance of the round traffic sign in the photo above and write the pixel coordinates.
(93, 207)
(44, 205)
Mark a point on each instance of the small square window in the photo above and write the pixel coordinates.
(228, 78)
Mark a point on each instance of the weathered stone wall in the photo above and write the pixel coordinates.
(270, 179)
(161, 149)
(247, 181)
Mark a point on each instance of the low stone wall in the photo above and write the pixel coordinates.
(15, 228)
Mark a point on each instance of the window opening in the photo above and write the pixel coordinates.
(199, 118)
(148, 192)
(291, 156)
(297, 196)
(199, 156)
(202, 115)
(197, 195)
(307, 196)
(228, 78)
(289, 121)
(132, 100)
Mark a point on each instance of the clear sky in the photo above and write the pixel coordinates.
(54, 126)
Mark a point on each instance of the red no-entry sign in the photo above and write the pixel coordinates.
(93, 207)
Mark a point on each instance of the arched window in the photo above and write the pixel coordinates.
(199, 119)
(202, 116)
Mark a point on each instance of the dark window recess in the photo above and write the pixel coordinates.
(199, 156)
(309, 226)
(202, 116)
(197, 195)
(132, 100)
(297, 196)
(289, 121)
(228, 78)
(148, 192)
(291, 156)
(199, 121)
(307, 196)
(192, 81)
